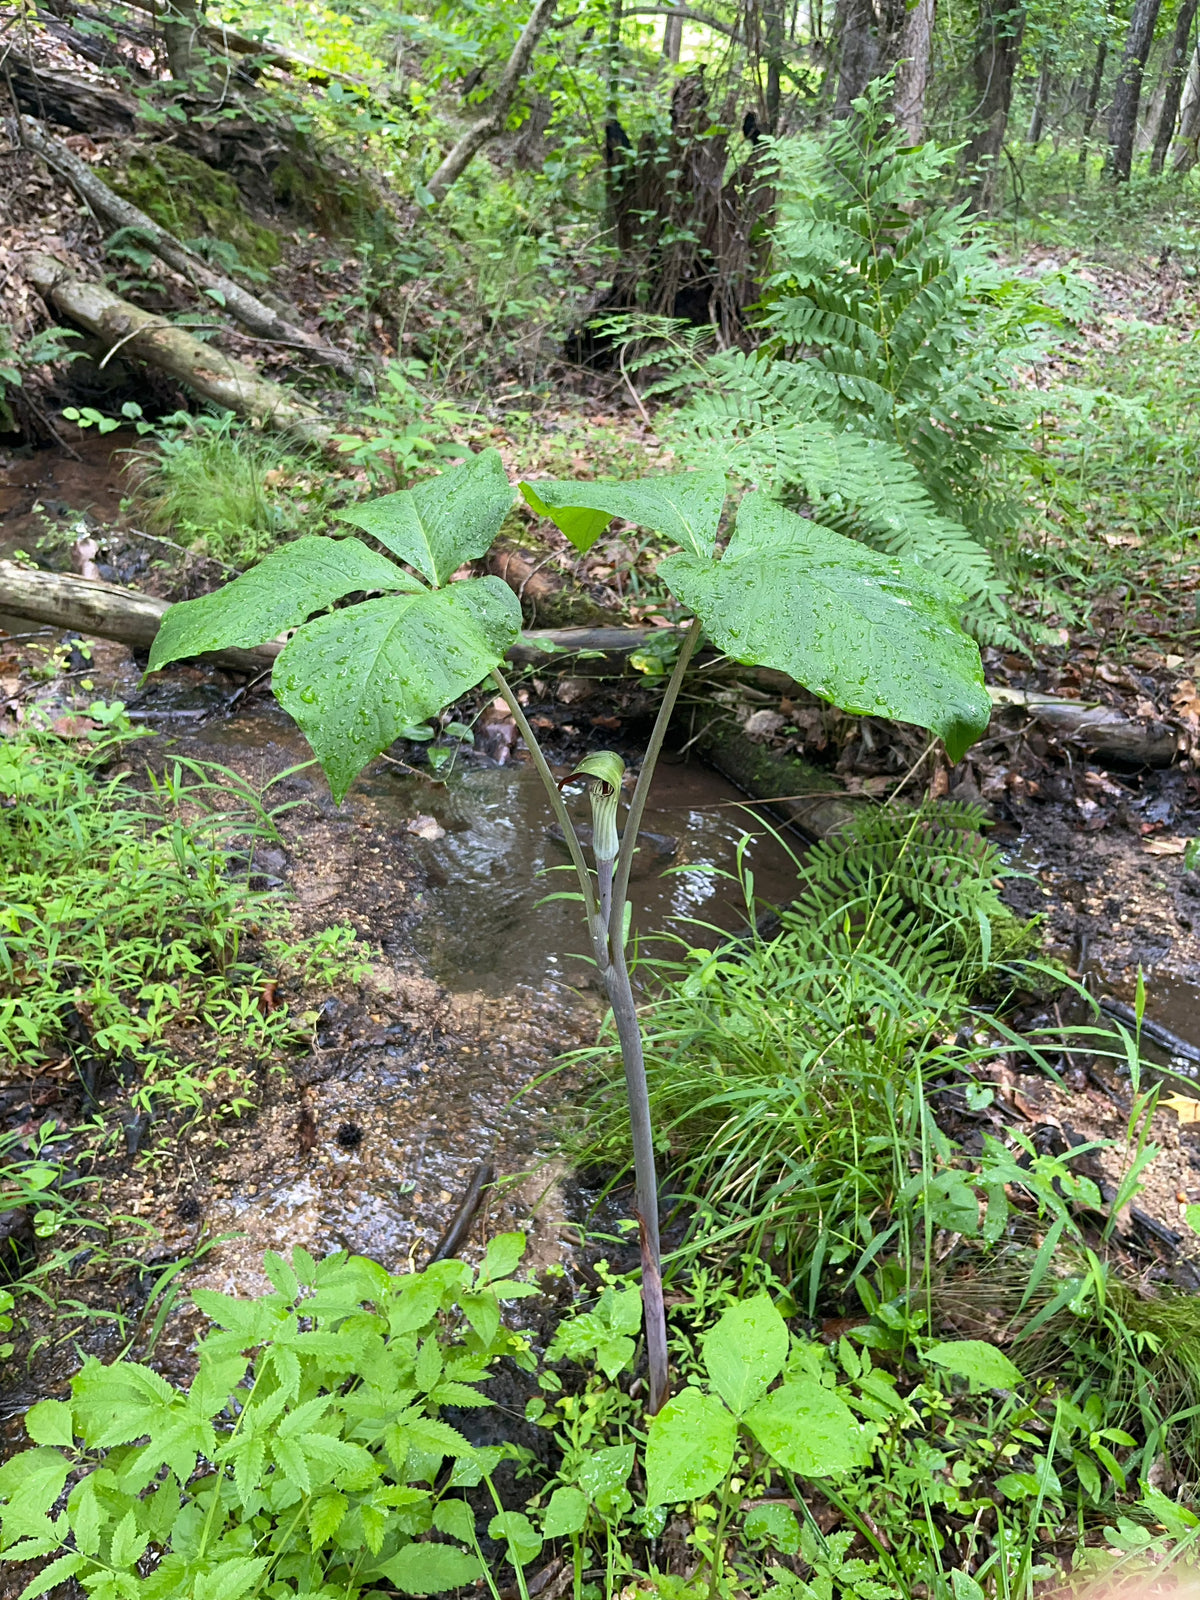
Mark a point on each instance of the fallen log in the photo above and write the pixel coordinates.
(103, 611)
(110, 611)
(239, 302)
(71, 101)
(1099, 729)
(805, 796)
(212, 375)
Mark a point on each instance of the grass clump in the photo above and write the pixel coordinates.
(226, 491)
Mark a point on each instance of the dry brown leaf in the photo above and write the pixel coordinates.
(1167, 846)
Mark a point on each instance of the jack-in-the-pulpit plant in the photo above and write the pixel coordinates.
(868, 633)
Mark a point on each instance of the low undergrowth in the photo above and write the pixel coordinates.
(140, 978)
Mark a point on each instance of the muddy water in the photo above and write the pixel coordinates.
(474, 999)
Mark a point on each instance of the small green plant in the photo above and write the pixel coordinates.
(408, 430)
(868, 633)
(225, 490)
(306, 1456)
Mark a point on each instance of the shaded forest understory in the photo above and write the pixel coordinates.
(784, 420)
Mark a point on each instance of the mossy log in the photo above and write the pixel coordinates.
(247, 308)
(212, 375)
(805, 796)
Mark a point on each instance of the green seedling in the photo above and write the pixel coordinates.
(868, 633)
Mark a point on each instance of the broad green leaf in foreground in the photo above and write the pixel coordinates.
(980, 1363)
(809, 1430)
(685, 506)
(445, 520)
(871, 634)
(354, 679)
(745, 1351)
(690, 1447)
(282, 591)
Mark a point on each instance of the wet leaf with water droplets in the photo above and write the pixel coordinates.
(869, 633)
(686, 506)
(358, 679)
(284, 589)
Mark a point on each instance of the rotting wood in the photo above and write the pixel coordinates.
(248, 309)
(211, 374)
(72, 101)
(103, 611)
(805, 796)
(1099, 729)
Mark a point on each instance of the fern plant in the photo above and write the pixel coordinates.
(881, 389)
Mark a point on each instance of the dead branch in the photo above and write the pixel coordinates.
(240, 303)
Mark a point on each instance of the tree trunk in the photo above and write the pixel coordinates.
(1093, 99)
(1001, 27)
(215, 377)
(672, 39)
(912, 71)
(240, 303)
(182, 25)
(1041, 99)
(1189, 119)
(857, 53)
(1127, 91)
(773, 17)
(488, 127)
(1177, 65)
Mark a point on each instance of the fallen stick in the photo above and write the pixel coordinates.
(459, 1228)
(248, 309)
(152, 339)
(1097, 728)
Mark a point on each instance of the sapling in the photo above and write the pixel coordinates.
(868, 633)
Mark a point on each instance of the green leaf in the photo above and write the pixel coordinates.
(873, 635)
(456, 1518)
(614, 1355)
(503, 1256)
(354, 679)
(980, 1363)
(565, 1514)
(809, 1430)
(775, 1524)
(684, 506)
(482, 1311)
(50, 1577)
(602, 1472)
(445, 520)
(325, 1516)
(128, 1545)
(32, 1480)
(283, 590)
(689, 1448)
(964, 1586)
(522, 1538)
(431, 1568)
(745, 1352)
(49, 1422)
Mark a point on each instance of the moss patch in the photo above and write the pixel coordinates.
(192, 201)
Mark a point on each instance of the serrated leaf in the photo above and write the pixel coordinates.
(354, 679)
(49, 1422)
(684, 506)
(745, 1350)
(431, 1568)
(482, 1311)
(50, 1577)
(443, 521)
(565, 1514)
(980, 1363)
(32, 1481)
(809, 1430)
(871, 634)
(282, 591)
(689, 1448)
(128, 1545)
(325, 1516)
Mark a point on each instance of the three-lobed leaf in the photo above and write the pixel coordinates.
(873, 635)
(444, 521)
(808, 1429)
